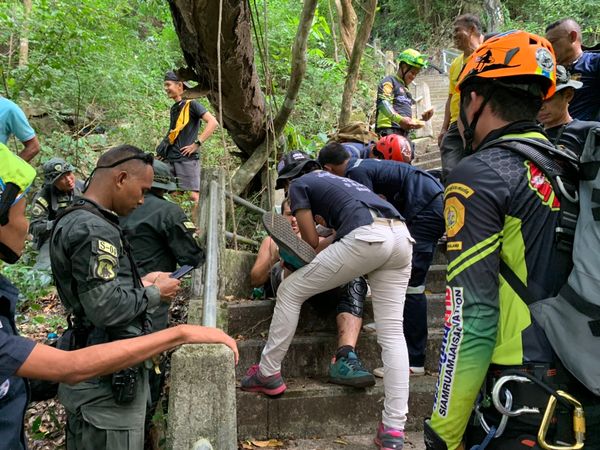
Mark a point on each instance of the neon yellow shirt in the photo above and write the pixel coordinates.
(453, 74)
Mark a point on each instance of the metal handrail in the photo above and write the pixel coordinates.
(243, 202)
(211, 267)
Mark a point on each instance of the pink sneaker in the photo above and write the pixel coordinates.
(253, 381)
(389, 438)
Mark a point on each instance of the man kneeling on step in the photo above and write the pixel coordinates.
(269, 270)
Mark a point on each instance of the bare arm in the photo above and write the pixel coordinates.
(49, 363)
(211, 126)
(31, 148)
(306, 223)
(268, 255)
(446, 122)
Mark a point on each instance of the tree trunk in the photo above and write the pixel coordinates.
(493, 9)
(354, 68)
(348, 22)
(24, 41)
(250, 168)
(196, 23)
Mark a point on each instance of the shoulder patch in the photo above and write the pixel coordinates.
(539, 184)
(37, 211)
(104, 267)
(460, 189)
(107, 247)
(454, 214)
(455, 246)
(388, 88)
(188, 225)
(42, 201)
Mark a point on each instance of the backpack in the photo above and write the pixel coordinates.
(571, 319)
(353, 132)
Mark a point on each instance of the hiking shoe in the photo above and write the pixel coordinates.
(349, 371)
(293, 250)
(417, 371)
(253, 381)
(389, 438)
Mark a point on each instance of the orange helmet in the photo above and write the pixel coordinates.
(394, 147)
(514, 54)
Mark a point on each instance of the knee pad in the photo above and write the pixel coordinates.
(352, 297)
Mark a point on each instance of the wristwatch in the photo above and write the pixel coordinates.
(198, 142)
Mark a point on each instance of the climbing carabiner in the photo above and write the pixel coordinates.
(506, 411)
(578, 423)
(502, 424)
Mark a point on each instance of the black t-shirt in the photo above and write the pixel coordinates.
(408, 188)
(343, 203)
(189, 133)
(572, 135)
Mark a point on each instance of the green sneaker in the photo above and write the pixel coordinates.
(349, 371)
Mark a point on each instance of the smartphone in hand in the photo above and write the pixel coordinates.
(182, 271)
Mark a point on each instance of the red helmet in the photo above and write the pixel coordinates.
(395, 147)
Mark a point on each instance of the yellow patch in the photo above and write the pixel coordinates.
(189, 225)
(460, 189)
(388, 88)
(454, 246)
(454, 213)
(107, 247)
(105, 267)
(42, 201)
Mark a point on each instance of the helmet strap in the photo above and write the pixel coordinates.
(469, 128)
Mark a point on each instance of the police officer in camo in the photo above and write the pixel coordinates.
(59, 190)
(99, 284)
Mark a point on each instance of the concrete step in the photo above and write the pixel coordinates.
(413, 440)
(431, 164)
(309, 355)
(425, 157)
(312, 408)
(251, 318)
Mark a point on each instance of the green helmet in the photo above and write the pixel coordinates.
(54, 168)
(413, 58)
(162, 176)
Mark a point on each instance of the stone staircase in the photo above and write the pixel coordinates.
(311, 407)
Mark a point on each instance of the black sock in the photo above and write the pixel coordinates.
(343, 351)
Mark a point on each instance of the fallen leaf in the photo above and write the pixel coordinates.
(340, 441)
(269, 443)
(247, 446)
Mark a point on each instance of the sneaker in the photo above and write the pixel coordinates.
(417, 371)
(253, 381)
(378, 372)
(293, 250)
(349, 371)
(389, 438)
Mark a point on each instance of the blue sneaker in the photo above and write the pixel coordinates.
(349, 371)
(389, 438)
(293, 250)
(253, 381)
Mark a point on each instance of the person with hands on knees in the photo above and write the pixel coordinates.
(22, 358)
(371, 238)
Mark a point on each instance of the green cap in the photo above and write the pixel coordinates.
(54, 168)
(162, 177)
(413, 58)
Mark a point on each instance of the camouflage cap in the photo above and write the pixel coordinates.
(54, 168)
(162, 176)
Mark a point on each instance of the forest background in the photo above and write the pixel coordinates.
(89, 74)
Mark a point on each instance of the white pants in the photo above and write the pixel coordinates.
(383, 251)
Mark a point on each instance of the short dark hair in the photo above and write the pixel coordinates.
(470, 20)
(510, 104)
(285, 201)
(567, 20)
(120, 153)
(333, 153)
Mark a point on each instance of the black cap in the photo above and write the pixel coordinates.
(172, 76)
(291, 165)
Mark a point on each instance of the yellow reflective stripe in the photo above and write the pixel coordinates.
(529, 134)
(473, 255)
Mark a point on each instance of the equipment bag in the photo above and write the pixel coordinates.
(354, 132)
(571, 320)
